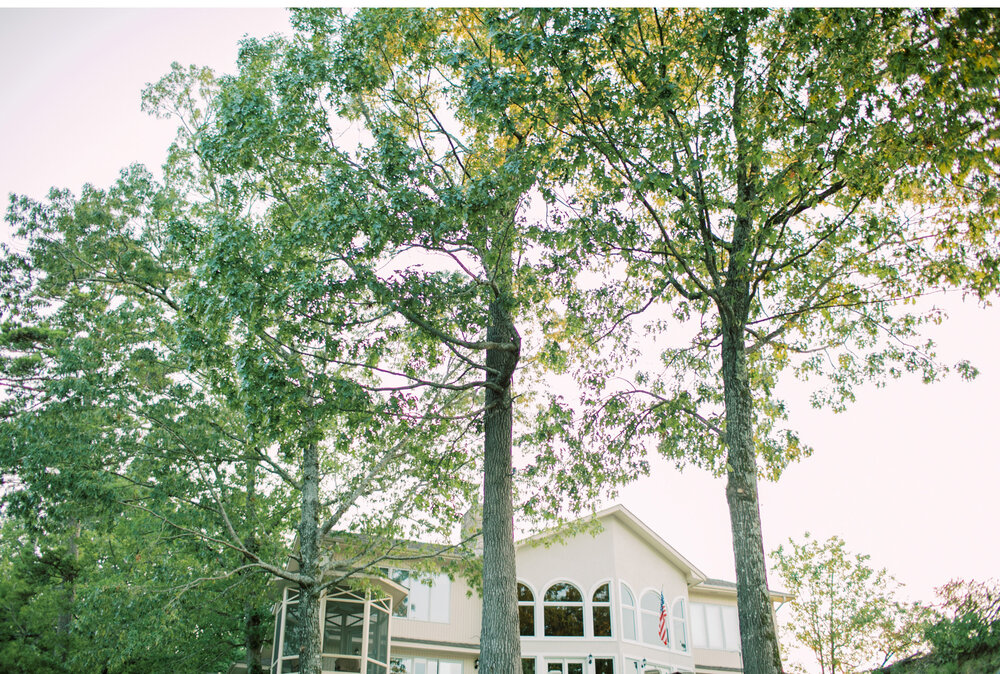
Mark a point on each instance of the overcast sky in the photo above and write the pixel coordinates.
(908, 475)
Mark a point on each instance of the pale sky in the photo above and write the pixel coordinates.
(907, 475)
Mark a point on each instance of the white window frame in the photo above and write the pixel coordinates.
(590, 605)
(582, 604)
(680, 637)
(437, 580)
(641, 635)
(536, 600)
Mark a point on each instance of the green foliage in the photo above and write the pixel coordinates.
(968, 621)
(844, 611)
(794, 189)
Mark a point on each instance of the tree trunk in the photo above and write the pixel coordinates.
(757, 632)
(254, 617)
(254, 629)
(65, 619)
(310, 657)
(500, 643)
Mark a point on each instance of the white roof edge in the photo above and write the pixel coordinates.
(693, 573)
(708, 588)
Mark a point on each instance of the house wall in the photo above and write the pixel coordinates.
(623, 551)
(712, 661)
(613, 555)
(463, 626)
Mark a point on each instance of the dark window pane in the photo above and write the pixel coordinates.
(291, 665)
(554, 667)
(291, 630)
(526, 616)
(604, 666)
(527, 666)
(564, 621)
(574, 668)
(523, 593)
(602, 621)
(378, 635)
(344, 627)
(603, 593)
(563, 592)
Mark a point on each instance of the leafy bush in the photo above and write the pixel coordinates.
(969, 620)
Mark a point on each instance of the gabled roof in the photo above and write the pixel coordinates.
(621, 514)
(696, 579)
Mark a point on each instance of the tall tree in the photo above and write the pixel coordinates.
(422, 208)
(208, 364)
(782, 184)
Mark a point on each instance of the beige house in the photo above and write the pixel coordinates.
(621, 601)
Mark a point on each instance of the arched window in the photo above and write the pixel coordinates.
(649, 615)
(680, 625)
(526, 610)
(563, 615)
(602, 611)
(628, 612)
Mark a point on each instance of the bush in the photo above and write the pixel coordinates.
(969, 620)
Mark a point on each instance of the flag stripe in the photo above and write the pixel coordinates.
(664, 632)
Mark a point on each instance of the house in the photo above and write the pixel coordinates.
(588, 604)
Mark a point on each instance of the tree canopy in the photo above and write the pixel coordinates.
(345, 274)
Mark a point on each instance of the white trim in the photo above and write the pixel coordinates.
(590, 605)
(568, 604)
(635, 615)
(535, 601)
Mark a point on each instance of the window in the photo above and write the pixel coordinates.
(628, 613)
(715, 626)
(429, 597)
(408, 665)
(564, 666)
(286, 646)
(526, 610)
(343, 631)
(680, 626)
(602, 611)
(378, 640)
(604, 666)
(649, 616)
(563, 614)
(527, 666)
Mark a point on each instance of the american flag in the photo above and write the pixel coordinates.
(664, 632)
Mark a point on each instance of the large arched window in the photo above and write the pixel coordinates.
(628, 613)
(680, 625)
(526, 610)
(563, 614)
(649, 616)
(601, 611)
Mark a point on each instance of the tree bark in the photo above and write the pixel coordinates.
(254, 617)
(310, 657)
(254, 628)
(500, 642)
(758, 636)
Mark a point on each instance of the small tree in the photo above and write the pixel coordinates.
(845, 611)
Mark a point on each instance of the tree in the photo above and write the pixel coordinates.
(782, 184)
(165, 321)
(421, 213)
(844, 611)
